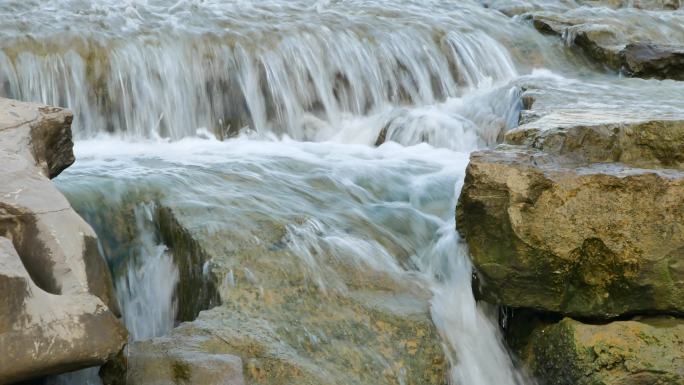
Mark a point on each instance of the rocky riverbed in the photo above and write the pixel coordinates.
(480, 192)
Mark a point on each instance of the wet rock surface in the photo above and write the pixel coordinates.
(594, 241)
(286, 330)
(580, 211)
(579, 214)
(286, 321)
(58, 310)
(635, 55)
(646, 143)
(654, 60)
(522, 7)
(638, 38)
(189, 355)
(643, 351)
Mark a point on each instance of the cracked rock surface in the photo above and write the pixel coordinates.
(57, 310)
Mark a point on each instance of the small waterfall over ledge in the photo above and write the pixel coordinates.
(283, 75)
(305, 86)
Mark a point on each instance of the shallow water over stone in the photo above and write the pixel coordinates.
(341, 253)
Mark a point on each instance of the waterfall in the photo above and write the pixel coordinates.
(153, 77)
(294, 80)
(170, 89)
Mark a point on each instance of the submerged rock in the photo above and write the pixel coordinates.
(638, 352)
(365, 328)
(189, 355)
(59, 311)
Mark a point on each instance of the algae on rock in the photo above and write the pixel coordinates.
(638, 352)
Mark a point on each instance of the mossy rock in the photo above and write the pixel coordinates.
(641, 352)
(598, 241)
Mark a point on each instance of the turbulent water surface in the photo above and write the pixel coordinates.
(253, 110)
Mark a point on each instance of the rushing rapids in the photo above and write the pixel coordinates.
(297, 93)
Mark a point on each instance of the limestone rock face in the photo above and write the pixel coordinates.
(581, 213)
(63, 292)
(43, 333)
(595, 240)
(647, 351)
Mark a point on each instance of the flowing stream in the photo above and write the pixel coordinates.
(249, 111)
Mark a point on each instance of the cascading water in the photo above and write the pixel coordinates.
(146, 290)
(260, 66)
(345, 75)
(145, 287)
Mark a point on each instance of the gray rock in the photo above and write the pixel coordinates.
(62, 313)
(622, 39)
(653, 60)
(43, 333)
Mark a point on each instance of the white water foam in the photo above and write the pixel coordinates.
(146, 290)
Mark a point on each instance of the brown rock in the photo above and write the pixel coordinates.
(639, 143)
(639, 352)
(653, 60)
(187, 355)
(595, 241)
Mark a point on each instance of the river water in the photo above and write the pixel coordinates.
(252, 110)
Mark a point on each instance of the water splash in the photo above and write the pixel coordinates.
(146, 290)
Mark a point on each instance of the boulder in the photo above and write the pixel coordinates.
(638, 352)
(43, 333)
(592, 240)
(638, 143)
(64, 291)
